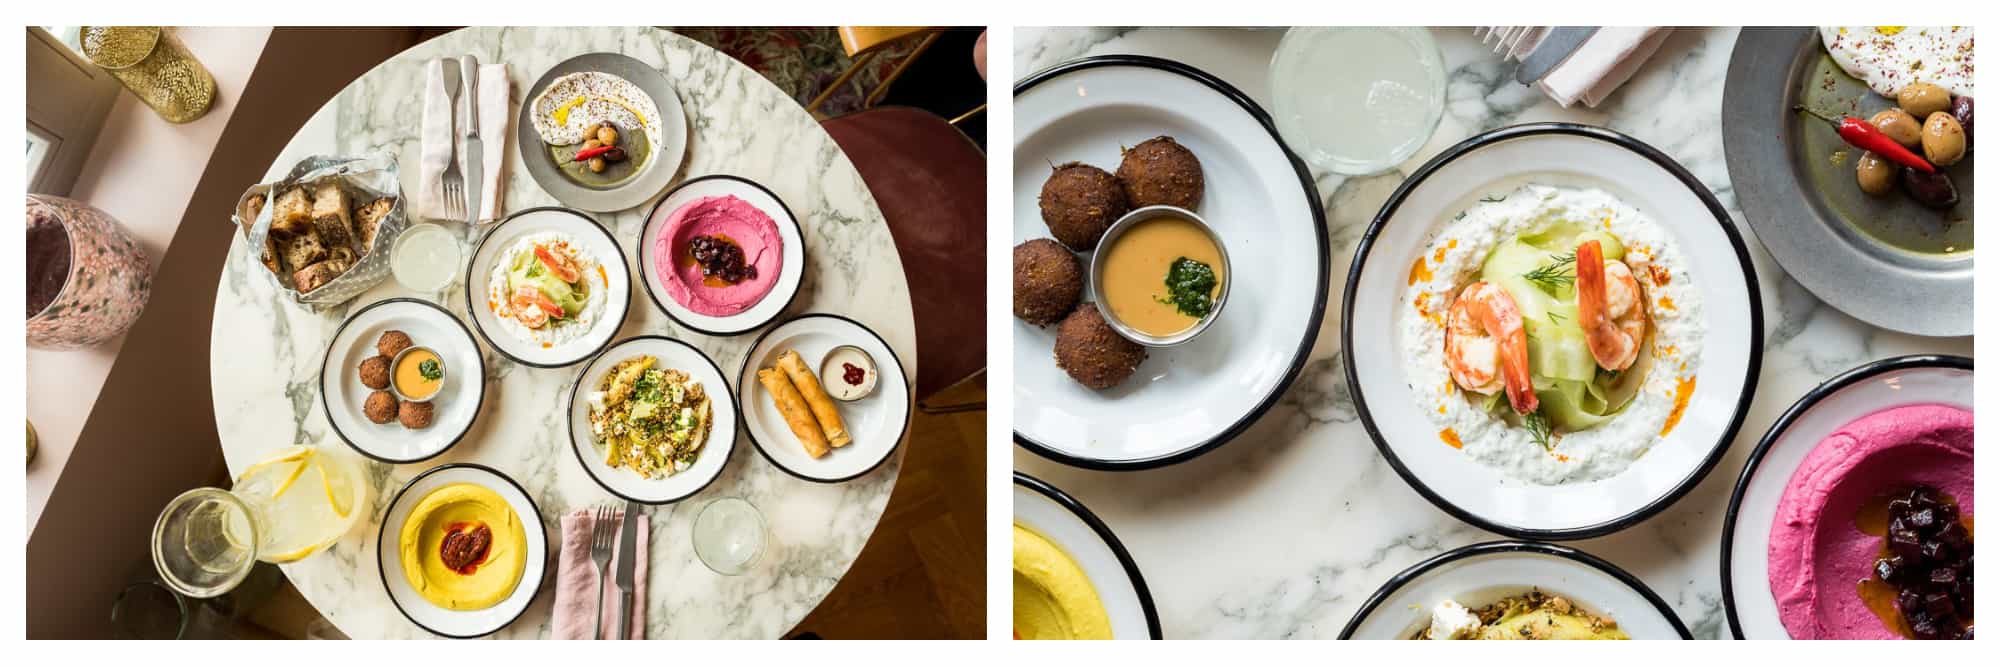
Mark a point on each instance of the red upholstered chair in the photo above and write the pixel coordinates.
(930, 182)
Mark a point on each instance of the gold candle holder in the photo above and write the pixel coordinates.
(155, 66)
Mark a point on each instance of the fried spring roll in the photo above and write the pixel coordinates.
(793, 406)
(816, 398)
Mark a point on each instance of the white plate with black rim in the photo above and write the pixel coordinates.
(614, 286)
(1564, 155)
(1746, 527)
(461, 623)
(877, 422)
(454, 407)
(791, 267)
(1053, 514)
(714, 455)
(1184, 401)
(668, 150)
(1485, 573)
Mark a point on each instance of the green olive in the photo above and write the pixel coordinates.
(1899, 125)
(1875, 175)
(593, 143)
(1923, 99)
(597, 164)
(607, 135)
(1944, 139)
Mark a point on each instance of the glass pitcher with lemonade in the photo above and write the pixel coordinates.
(293, 504)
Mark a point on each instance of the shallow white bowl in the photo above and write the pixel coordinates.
(715, 453)
(877, 421)
(461, 623)
(593, 239)
(1484, 573)
(791, 270)
(1064, 521)
(1565, 155)
(454, 407)
(1189, 399)
(1746, 531)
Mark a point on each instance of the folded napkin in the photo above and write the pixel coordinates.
(576, 582)
(1604, 62)
(496, 132)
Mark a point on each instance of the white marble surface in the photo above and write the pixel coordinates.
(267, 354)
(1284, 532)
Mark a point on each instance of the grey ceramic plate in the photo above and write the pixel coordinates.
(1884, 260)
(651, 179)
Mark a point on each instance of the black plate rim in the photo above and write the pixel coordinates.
(1305, 347)
(1753, 296)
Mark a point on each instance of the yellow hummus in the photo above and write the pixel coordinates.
(1053, 599)
(482, 579)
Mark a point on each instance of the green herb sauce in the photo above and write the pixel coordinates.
(1190, 287)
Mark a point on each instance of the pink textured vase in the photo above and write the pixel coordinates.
(87, 278)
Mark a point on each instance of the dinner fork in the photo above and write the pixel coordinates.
(603, 532)
(1508, 41)
(454, 182)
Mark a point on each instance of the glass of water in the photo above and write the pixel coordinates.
(729, 536)
(1357, 100)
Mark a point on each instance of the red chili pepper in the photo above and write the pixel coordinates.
(1866, 136)
(587, 153)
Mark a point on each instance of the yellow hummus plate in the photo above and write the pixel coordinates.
(462, 498)
(1072, 577)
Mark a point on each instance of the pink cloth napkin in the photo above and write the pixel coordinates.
(1605, 61)
(496, 125)
(576, 581)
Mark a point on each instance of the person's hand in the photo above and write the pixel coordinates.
(979, 55)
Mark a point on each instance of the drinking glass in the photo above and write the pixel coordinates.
(1357, 100)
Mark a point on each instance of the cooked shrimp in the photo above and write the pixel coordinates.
(1611, 304)
(1486, 345)
(532, 308)
(559, 264)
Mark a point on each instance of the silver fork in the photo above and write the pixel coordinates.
(603, 533)
(454, 182)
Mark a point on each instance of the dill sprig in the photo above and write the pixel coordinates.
(1491, 198)
(1555, 318)
(1555, 274)
(1540, 429)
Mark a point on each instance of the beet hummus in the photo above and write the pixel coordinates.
(738, 222)
(1818, 553)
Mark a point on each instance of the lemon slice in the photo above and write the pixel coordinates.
(297, 472)
(338, 495)
(293, 556)
(290, 454)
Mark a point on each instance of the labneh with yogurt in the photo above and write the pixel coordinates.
(1609, 381)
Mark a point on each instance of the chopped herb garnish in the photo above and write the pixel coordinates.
(430, 370)
(1190, 287)
(1493, 199)
(1555, 318)
(1555, 274)
(1539, 428)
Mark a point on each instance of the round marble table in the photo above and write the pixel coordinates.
(266, 353)
(1306, 516)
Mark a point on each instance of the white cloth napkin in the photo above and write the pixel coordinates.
(1604, 62)
(496, 125)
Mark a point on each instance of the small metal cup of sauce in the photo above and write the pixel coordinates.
(835, 373)
(398, 376)
(1099, 265)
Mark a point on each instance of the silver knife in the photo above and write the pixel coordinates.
(628, 554)
(1552, 50)
(475, 153)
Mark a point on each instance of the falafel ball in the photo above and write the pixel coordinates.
(1161, 171)
(1048, 280)
(1079, 202)
(392, 343)
(415, 415)
(380, 407)
(1092, 353)
(375, 372)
